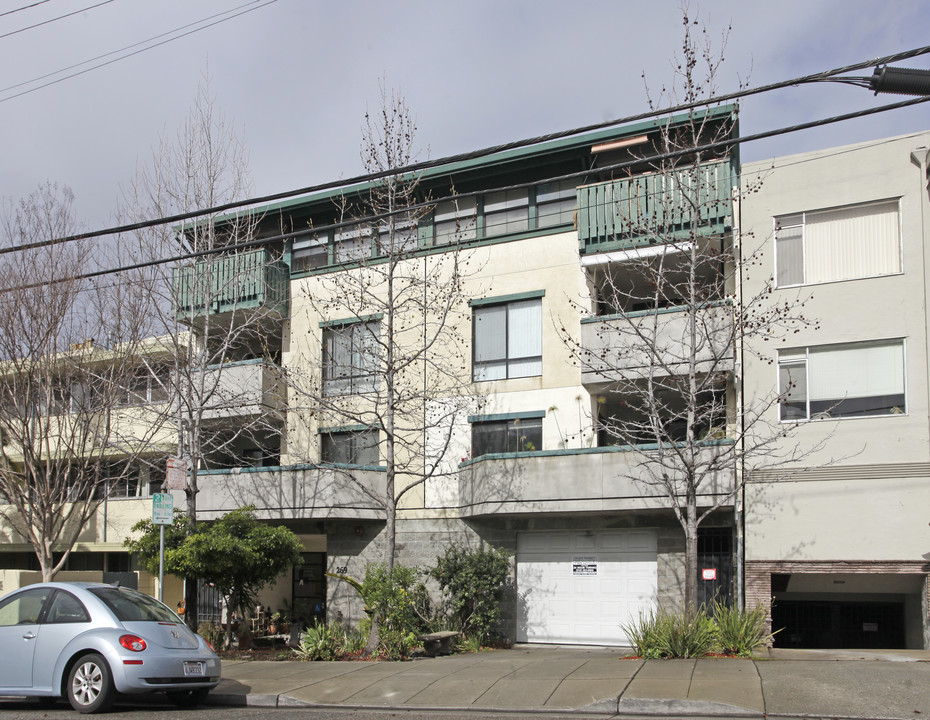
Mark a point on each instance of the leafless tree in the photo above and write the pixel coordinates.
(220, 311)
(390, 360)
(675, 321)
(72, 355)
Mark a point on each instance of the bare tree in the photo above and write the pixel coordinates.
(390, 362)
(674, 319)
(220, 311)
(71, 353)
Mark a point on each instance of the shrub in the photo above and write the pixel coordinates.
(664, 634)
(400, 605)
(213, 633)
(322, 641)
(474, 582)
(739, 632)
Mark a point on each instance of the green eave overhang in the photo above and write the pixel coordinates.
(498, 161)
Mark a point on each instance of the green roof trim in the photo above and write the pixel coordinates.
(500, 299)
(351, 321)
(526, 415)
(500, 158)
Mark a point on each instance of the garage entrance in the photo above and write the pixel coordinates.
(579, 587)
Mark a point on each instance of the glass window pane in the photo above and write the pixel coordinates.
(789, 251)
(490, 333)
(524, 329)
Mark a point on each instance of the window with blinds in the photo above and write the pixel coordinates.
(851, 380)
(856, 241)
(508, 340)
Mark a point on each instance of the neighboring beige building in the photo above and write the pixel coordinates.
(841, 539)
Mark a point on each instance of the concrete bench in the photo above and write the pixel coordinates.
(438, 643)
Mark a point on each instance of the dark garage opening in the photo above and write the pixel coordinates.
(838, 624)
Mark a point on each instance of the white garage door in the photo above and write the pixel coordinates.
(579, 587)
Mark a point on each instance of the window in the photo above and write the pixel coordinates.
(350, 358)
(355, 447)
(66, 608)
(506, 436)
(23, 608)
(454, 221)
(405, 237)
(856, 241)
(506, 212)
(144, 388)
(352, 244)
(854, 380)
(507, 340)
(555, 203)
(309, 252)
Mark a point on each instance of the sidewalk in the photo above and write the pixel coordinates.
(545, 678)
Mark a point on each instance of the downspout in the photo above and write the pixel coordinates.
(739, 499)
(921, 158)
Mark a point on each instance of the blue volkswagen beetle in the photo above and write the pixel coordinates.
(89, 641)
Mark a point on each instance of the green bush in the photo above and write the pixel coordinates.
(687, 634)
(473, 582)
(399, 603)
(322, 641)
(740, 632)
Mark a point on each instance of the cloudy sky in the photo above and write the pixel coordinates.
(296, 76)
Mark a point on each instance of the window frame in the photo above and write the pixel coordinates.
(509, 425)
(352, 383)
(800, 358)
(508, 361)
(356, 438)
(803, 220)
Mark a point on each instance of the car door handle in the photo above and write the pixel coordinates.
(29, 636)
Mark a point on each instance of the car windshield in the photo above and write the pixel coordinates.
(130, 605)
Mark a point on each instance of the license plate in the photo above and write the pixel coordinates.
(193, 669)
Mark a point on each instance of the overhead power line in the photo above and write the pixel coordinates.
(24, 7)
(424, 165)
(720, 144)
(55, 19)
(237, 11)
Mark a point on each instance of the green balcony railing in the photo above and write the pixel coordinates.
(241, 281)
(651, 208)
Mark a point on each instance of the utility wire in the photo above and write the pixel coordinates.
(114, 52)
(24, 7)
(416, 167)
(137, 52)
(55, 19)
(249, 244)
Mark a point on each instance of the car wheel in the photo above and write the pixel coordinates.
(189, 698)
(90, 687)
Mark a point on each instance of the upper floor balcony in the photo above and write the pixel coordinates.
(243, 281)
(657, 341)
(645, 209)
(315, 492)
(602, 479)
(242, 388)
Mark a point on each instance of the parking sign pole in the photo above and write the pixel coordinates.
(162, 514)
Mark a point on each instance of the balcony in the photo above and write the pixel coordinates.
(637, 211)
(297, 492)
(615, 345)
(241, 389)
(238, 282)
(560, 481)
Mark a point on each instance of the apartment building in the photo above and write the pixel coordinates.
(839, 537)
(553, 402)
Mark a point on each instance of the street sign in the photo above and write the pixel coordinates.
(176, 473)
(162, 509)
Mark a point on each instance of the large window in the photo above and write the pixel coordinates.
(854, 380)
(555, 203)
(506, 436)
(507, 340)
(354, 447)
(506, 212)
(845, 243)
(350, 358)
(455, 221)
